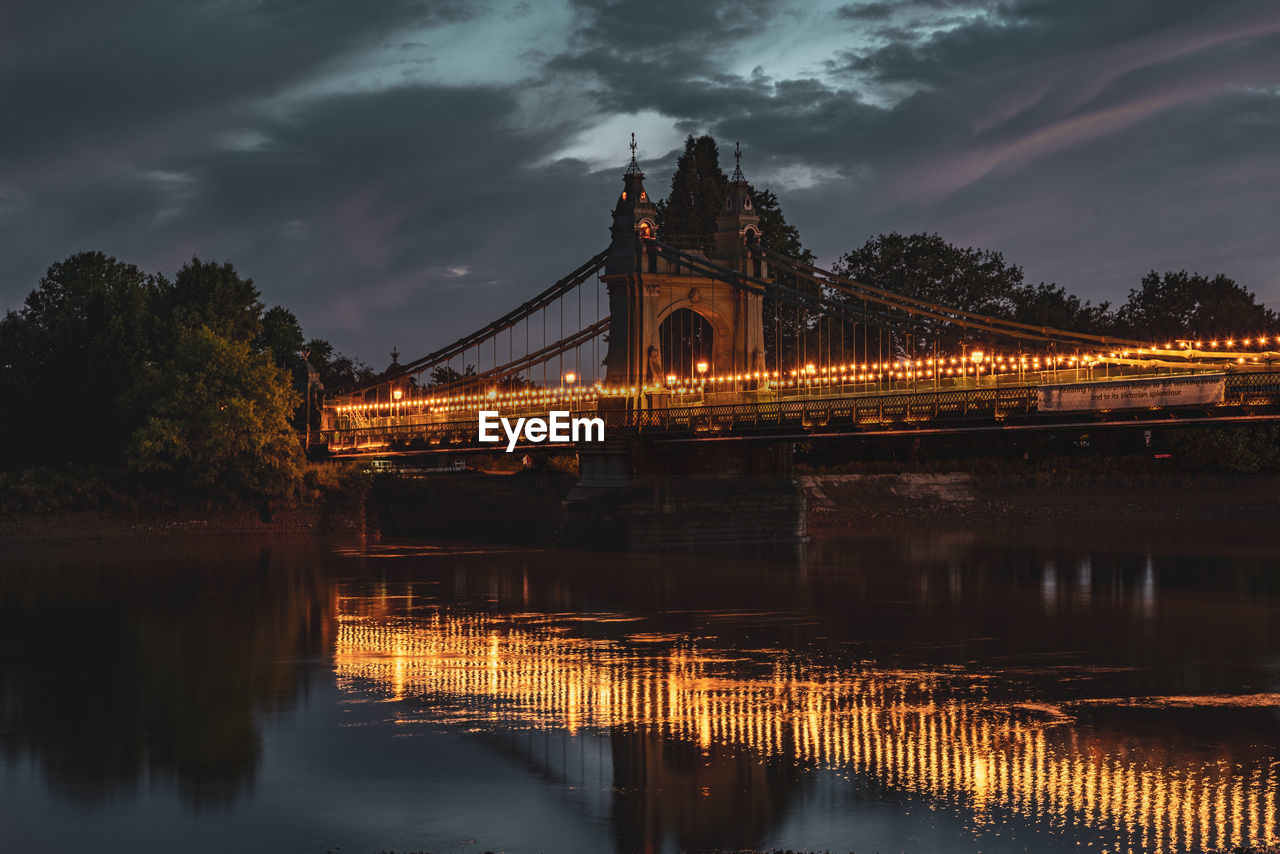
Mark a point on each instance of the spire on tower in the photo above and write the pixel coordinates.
(737, 163)
(633, 168)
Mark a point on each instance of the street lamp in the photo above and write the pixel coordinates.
(977, 356)
(570, 378)
(702, 368)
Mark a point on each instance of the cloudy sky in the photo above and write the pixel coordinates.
(399, 173)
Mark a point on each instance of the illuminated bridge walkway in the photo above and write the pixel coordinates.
(829, 404)
(702, 338)
(936, 735)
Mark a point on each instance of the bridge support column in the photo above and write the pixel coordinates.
(645, 494)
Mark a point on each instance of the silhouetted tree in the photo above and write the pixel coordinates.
(1190, 305)
(929, 268)
(205, 293)
(335, 369)
(281, 337)
(70, 358)
(1051, 305)
(181, 380)
(445, 375)
(697, 191)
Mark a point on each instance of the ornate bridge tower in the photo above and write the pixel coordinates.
(646, 291)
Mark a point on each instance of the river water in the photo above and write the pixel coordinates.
(921, 692)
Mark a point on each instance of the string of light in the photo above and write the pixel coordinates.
(971, 364)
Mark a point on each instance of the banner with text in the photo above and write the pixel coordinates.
(1134, 394)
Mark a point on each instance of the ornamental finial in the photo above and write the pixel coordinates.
(633, 168)
(737, 163)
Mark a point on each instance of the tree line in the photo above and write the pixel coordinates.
(186, 387)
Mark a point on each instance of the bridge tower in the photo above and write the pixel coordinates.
(646, 289)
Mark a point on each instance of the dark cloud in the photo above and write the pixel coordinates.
(883, 11)
(395, 190)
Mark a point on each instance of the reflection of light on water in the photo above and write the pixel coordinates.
(1049, 583)
(1084, 576)
(905, 729)
(1147, 592)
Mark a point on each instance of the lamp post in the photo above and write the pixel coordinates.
(977, 356)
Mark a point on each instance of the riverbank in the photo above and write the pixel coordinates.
(526, 508)
(100, 525)
(1183, 508)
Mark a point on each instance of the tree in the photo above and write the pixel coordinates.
(218, 425)
(1051, 305)
(443, 375)
(70, 358)
(205, 293)
(1189, 305)
(281, 337)
(698, 188)
(926, 267)
(335, 369)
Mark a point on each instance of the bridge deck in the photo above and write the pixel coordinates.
(951, 405)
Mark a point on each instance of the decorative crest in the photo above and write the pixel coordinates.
(634, 167)
(737, 163)
(395, 355)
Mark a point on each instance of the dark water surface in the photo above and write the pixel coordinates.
(931, 693)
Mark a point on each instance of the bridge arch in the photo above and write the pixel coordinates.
(689, 333)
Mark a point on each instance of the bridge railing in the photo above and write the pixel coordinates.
(769, 413)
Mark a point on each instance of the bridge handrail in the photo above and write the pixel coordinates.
(872, 408)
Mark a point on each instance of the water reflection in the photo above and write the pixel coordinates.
(117, 667)
(925, 733)
(941, 693)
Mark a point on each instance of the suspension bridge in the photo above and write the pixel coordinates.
(697, 339)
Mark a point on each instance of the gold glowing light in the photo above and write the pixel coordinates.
(912, 730)
(702, 367)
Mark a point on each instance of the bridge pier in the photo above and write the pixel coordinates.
(645, 494)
